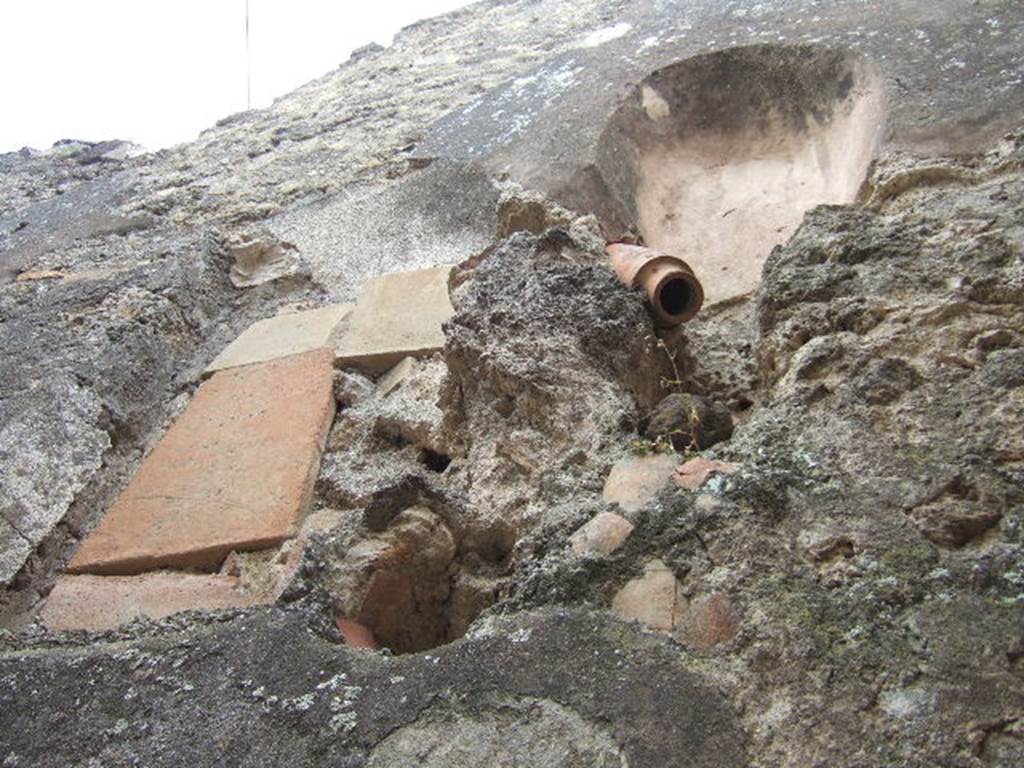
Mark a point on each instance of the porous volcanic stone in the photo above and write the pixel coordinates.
(235, 472)
(397, 315)
(690, 421)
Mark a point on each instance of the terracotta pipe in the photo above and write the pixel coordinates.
(674, 291)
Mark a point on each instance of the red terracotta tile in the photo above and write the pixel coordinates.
(235, 472)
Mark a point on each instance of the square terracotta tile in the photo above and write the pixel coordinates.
(235, 472)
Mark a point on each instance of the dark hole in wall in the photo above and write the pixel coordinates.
(675, 297)
(434, 461)
(431, 580)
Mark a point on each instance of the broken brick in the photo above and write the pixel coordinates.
(650, 599)
(706, 621)
(98, 603)
(695, 472)
(636, 480)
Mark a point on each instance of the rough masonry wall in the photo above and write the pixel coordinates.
(835, 580)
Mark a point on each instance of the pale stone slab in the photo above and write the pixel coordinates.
(391, 380)
(234, 472)
(98, 603)
(288, 334)
(650, 599)
(602, 535)
(636, 480)
(397, 315)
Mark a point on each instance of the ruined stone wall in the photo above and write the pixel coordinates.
(809, 553)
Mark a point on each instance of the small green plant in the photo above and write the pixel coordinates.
(676, 381)
(644, 447)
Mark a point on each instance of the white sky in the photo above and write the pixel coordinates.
(157, 73)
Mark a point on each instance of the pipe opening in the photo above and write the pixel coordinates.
(676, 297)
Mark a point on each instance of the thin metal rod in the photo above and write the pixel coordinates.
(248, 61)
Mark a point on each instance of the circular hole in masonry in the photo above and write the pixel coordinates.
(675, 297)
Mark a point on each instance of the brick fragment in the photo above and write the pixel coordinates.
(695, 472)
(636, 480)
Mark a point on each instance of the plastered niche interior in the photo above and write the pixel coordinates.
(717, 158)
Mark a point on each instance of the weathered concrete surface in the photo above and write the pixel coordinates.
(550, 365)
(43, 471)
(98, 603)
(266, 691)
(235, 472)
(436, 216)
(290, 333)
(952, 76)
(84, 211)
(397, 315)
(15, 548)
